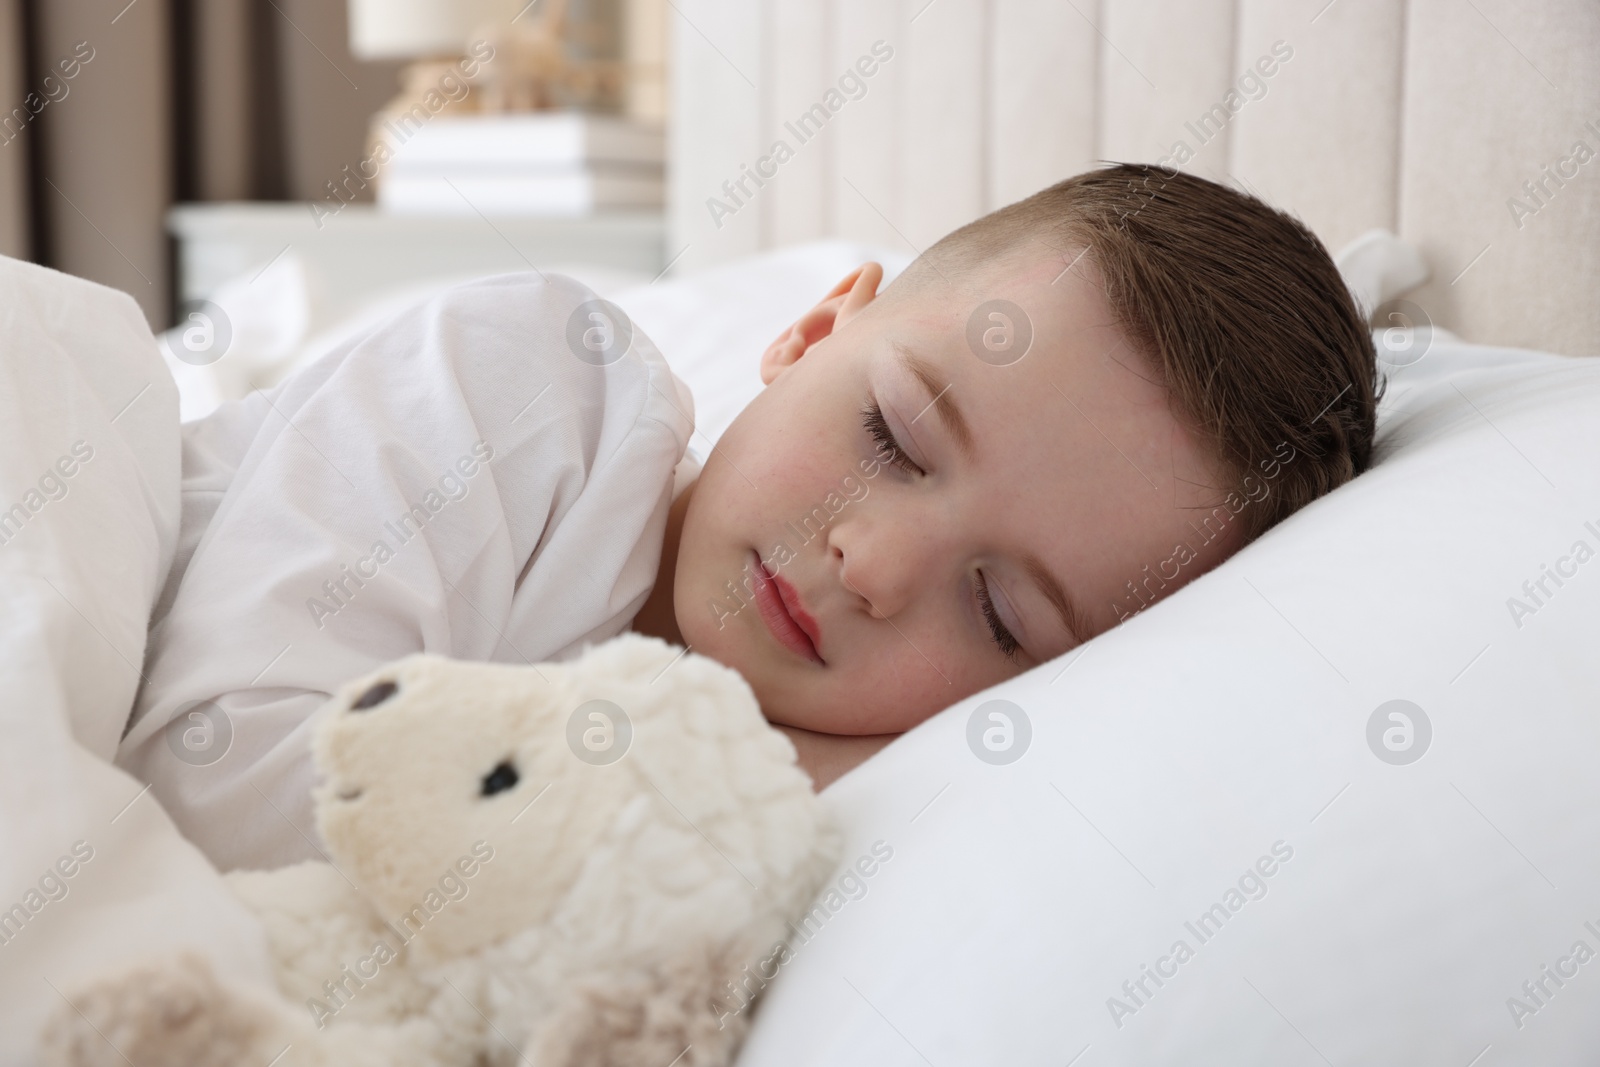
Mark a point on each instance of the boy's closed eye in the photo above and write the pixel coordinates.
(890, 451)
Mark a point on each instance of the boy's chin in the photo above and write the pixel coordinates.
(728, 646)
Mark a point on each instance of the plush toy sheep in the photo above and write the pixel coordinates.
(565, 865)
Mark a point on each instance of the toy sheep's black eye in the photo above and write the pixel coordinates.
(375, 696)
(500, 779)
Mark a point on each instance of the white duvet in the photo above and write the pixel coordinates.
(458, 482)
(93, 873)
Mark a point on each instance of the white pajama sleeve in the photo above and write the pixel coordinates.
(458, 482)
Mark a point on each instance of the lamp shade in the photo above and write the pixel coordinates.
(402, 29)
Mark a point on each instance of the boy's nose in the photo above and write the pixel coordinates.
(884, 564)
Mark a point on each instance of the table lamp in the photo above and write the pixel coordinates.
(415, 29)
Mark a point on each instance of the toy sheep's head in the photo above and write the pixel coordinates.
(464, 798)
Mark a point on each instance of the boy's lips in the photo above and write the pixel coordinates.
(786, 617)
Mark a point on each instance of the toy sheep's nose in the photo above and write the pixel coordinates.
(376, 695)
(503, 777)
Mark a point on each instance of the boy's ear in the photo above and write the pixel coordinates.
(858, 289)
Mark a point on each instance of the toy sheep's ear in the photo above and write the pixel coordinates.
(375, 695)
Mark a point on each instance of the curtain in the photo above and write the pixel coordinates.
(14, 232)
(111, 111)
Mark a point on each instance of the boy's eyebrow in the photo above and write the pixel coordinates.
(1075, 622)
(939, 399)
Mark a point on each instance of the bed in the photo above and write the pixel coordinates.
(1223, 771)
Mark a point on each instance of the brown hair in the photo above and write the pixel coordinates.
(1238, 305)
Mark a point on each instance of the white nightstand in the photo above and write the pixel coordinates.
(362, 253)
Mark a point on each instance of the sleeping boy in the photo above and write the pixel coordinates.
(1057, 415)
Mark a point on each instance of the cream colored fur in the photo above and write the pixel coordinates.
(607, 908)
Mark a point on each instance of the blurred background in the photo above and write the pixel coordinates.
(290, 163)
(114, 112)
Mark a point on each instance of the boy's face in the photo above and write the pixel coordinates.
(863, 572)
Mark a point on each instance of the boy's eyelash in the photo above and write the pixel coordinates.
(878, 427)
(1002, 637)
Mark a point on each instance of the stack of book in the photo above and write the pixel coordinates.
(536, 163)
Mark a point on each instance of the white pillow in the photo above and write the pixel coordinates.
(256, 329)
(714, 324)
(1228, 727)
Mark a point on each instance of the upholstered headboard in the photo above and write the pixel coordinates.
(1469, 127)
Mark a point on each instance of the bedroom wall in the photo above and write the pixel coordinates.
(1419, 116)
